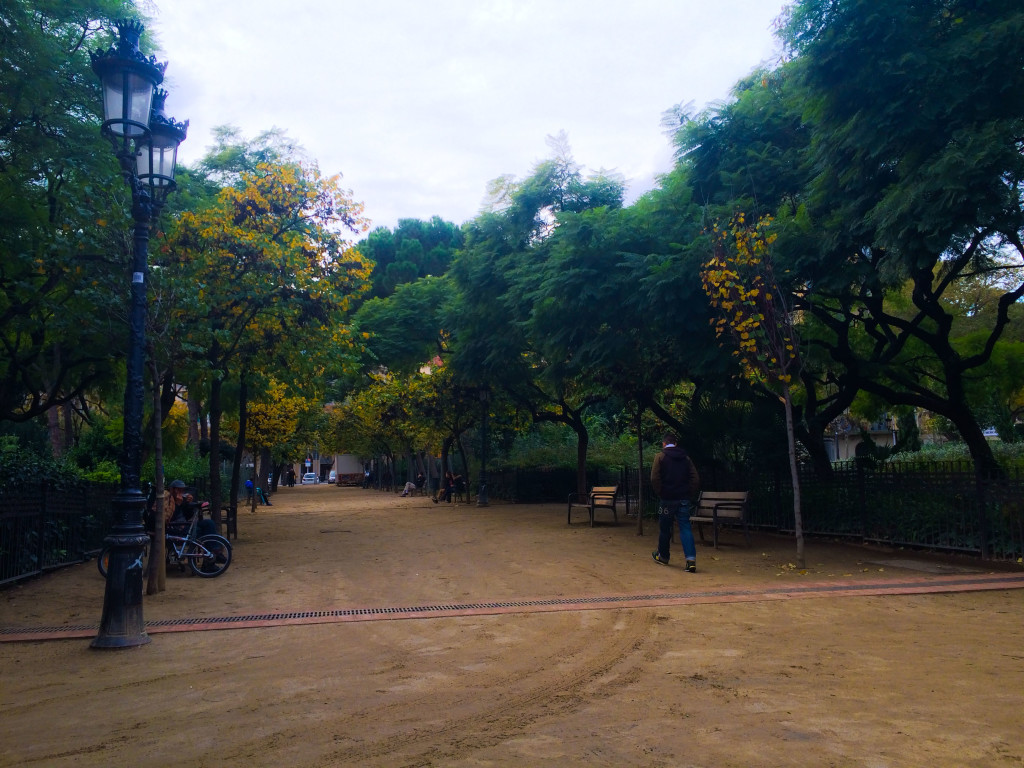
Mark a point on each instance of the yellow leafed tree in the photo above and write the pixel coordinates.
(753, 316)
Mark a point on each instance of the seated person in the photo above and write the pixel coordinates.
(447, 487)
(183, 508)
(420, 481)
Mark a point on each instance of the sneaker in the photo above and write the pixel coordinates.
(691, 566)
(657, 558)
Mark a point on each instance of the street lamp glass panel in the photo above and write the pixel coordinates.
(155, 162)
(127, 100)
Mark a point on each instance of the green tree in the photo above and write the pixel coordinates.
(413, 250)
(63, 255)
(409, 328)
(739, 280)
(270, 263)
(496, 274)
(917, 119)
(888, 150)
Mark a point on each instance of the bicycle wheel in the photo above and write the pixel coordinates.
(103, 561)
(213, 564)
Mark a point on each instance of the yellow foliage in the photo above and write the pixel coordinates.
(733, 279)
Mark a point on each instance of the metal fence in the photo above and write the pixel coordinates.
(541, 486)
(938, 506)
(45, 526)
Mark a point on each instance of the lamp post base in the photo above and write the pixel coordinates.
(122, 625)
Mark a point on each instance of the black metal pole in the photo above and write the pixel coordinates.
(122, 625)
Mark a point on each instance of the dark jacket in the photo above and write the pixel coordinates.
(673, 476)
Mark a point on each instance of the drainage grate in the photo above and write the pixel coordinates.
(940, 584)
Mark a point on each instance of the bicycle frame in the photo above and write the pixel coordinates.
(176, 545)
(208, 559)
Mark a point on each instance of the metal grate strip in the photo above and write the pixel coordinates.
(940, 584)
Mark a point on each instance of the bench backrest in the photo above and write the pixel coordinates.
(604, 492)
(728, 503)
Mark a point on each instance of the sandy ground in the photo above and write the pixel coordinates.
(880, 681)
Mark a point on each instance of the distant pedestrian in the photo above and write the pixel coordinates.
(675, 479)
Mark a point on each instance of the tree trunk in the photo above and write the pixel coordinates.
(69, 424)
(582, 445)
(57, 445)
(465, 466)
(640, 471)
(194, 416)
(664, 416)
(986, 467)
(798, 523)
(236, 464)
(813, 441)
(446, 446)
(264, 471)
(204, 423)
(215, 413)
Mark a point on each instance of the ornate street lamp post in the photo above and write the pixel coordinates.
(146, 144)
(481, 496)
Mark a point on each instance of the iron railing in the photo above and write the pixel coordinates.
(938, 506)
(45, 526)
(935, 505)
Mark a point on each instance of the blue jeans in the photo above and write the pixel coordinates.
(673, 511)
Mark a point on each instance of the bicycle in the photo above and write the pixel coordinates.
(207, 556)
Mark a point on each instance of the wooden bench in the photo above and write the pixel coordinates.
(600, 496)
(229, 517)
(721, 508)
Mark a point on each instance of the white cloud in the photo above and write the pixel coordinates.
(419, 104)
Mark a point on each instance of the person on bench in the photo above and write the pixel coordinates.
(675, 480)
(184, 508)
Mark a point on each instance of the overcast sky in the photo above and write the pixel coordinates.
(420, 103)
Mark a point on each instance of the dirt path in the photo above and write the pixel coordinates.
(718, 669)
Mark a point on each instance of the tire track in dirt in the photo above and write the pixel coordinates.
(543, 692)
(494, 705)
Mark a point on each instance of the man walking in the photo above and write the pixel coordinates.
(674, 478)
